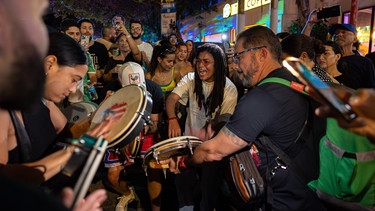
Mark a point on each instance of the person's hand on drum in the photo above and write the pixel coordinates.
(91, 202)
(174, 129)
(175, 163)
(102, 129)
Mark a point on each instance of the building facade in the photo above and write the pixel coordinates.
(233, 16)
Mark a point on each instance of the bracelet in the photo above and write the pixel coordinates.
(172, 118)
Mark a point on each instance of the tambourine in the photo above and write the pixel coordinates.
(172, 147)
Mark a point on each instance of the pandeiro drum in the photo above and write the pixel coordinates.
(129, 108)
(163, 150)
(79, 111)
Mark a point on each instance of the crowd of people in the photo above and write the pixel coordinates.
(208, 92)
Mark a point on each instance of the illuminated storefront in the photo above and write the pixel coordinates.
(234, 16)
(223, 25)
(210, 27)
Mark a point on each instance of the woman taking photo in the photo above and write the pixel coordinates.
(129, 52)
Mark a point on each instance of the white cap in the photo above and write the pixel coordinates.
(131, 73)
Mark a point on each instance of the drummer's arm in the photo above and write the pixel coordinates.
(174, 129)
(222, 145)
(39, 171)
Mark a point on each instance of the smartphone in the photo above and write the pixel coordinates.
(85, 40)
(117, 26)
(308, 77)
(329, 12)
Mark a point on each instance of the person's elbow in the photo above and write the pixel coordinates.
(214, 156)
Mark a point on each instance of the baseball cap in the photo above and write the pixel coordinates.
(131, 73)
(348, 27)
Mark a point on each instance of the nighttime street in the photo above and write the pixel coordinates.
(204, 105)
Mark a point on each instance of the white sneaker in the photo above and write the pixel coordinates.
(123, 202)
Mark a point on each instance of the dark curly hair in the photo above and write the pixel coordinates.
(217, 95)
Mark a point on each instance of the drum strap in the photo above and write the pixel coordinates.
(23, 140)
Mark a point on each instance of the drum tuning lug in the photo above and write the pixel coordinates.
(165, 173)
(145, 169)
(190, 146)
(147, 120)
(155, 155)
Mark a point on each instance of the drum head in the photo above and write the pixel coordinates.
(124, 107)
(177, 146)
(78, 111)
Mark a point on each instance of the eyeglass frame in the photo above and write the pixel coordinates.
(236, 56)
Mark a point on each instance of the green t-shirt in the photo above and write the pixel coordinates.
(347, 166)
(91, 69)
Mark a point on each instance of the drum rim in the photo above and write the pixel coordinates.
(150, 150)
(127, 132)
(122, 134)
(175, 139)
(149, 153)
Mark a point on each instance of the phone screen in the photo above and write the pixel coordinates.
(85, 40)
(306, 76)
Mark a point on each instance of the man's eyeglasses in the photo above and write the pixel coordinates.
(136, 28)
(205, 62)
(236, 56)
(172, 38)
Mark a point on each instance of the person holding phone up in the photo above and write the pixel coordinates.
(359, 68)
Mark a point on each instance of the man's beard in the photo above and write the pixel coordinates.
(248, 78)
(22, 84)
(136, 37)
(112, 39)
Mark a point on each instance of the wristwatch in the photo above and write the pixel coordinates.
(128, 36)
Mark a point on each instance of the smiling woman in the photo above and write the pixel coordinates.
(210, 98)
